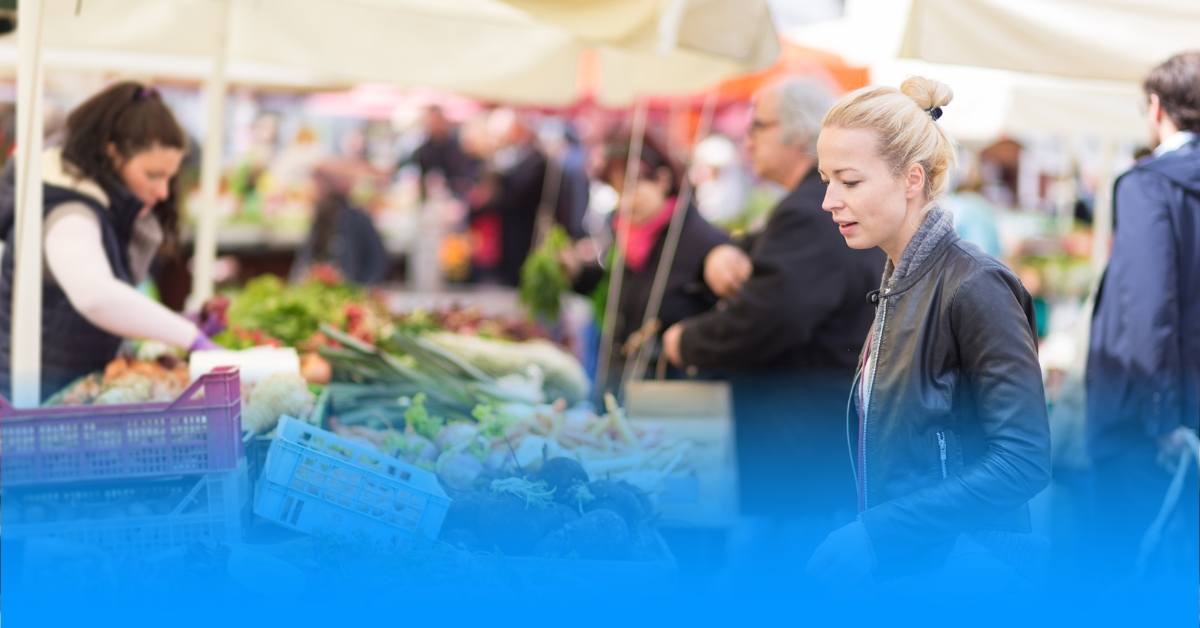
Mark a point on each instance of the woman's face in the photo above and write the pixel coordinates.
(649, 194)
(148, 173)
(870, 204)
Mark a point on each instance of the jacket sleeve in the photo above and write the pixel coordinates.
(76, 260)
(375, 260)
(589, 278)
(997, 349)
(796, 284)
(1148, 287)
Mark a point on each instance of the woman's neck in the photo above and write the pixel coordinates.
(651, 216)
(894, 246)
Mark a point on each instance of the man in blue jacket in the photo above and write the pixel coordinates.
(1143, 379)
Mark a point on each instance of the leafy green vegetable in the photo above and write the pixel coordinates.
(534, 493)
(290, 314)
(419, 419)
(491, 425)
(542, 277)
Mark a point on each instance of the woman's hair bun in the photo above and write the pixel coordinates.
(926, 92)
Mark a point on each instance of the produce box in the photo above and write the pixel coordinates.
(131, 520)
(200, 432)
(314, 480)
(700, 412)
(256, 446)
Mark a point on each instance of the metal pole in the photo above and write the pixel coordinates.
(215, 92)
(1102, 219)
(27, 272)
(636, 367)
(624, 209)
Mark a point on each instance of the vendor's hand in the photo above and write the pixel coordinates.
(1170, 446)
(211, 319)
(203, 343)
(671, 339)
(726, 268)
(844, 558)
(571, 262)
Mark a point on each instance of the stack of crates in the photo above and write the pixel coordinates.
(130, 480)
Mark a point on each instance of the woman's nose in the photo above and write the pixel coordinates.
(162, 191)
(832, 200)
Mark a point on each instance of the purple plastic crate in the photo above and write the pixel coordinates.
(200, 432)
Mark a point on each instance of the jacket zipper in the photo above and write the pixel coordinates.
(942, 451)
(862, 452)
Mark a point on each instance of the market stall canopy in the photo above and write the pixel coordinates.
(737, 30)
(172, 67)
(988, 103)
(1109, 39)
(481, 48)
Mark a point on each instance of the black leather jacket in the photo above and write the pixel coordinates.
(957, 437)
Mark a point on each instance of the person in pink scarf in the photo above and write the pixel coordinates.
(654, 200)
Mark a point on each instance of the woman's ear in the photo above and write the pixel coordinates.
(664, 177)
(113, 155)
(914, 181)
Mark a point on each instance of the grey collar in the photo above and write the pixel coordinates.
(938, 223)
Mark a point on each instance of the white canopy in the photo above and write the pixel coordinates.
(1101, 39)
(988, 103)
(484, 48)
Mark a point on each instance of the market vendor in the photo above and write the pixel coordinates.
(109, 210)
(654, 199)
(789, 337)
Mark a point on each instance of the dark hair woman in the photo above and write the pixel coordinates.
(654, 196)
(342, 235)
(952, 437)
(109, 209)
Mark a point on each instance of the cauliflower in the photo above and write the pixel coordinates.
(131, 388)
(278, 395)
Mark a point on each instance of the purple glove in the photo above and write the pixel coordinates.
(203, 343)
(211, 318)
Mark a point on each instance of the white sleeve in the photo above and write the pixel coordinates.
(75, 257)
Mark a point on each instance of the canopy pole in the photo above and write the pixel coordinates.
(215, 90)
(636, 367)
(27, 276)
(1102, 218)
(624, 209)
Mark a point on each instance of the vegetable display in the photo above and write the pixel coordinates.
(270, 312)
(563, 375)
(127, 380)
(528, 515)
(470, 321)
(543, 279)
(509, 439)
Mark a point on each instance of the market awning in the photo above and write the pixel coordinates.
(1114, 39)
(486, 49)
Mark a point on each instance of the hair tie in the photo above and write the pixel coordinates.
(934, 112)
(144, 93)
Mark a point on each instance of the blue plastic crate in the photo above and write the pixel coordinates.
(314, 480)
(132, 519)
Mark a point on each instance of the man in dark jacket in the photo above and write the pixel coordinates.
(791, 329)
(525, 184)
(1143, 378)
(441, 152)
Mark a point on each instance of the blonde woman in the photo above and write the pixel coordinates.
(947, 418)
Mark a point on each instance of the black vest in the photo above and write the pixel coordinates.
(71, 346)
